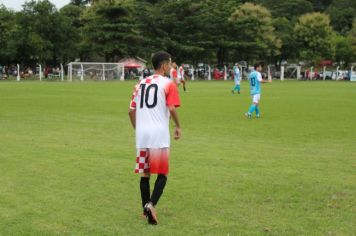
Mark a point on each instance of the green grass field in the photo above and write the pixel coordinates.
(67, 157)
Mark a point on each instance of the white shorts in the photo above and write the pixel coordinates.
(237, 82)
(256, 98)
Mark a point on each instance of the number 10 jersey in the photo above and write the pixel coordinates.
(151, 99)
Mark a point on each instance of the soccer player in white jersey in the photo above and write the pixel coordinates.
(237, 79)
(153, 102)
(173, 75)
(255, 78)
(181, 76)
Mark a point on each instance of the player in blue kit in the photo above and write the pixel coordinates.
(255, 79)
(237, 79)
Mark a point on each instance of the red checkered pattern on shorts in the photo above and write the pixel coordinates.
(142, 161)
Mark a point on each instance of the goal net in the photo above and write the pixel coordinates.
(95, 71)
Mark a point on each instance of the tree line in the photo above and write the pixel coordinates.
(212, 31)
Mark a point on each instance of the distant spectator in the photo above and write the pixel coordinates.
(146, 73)
(5, 72)
(29, 72)
(126, 74)
(46, 72)
(316, 74)
(132, 74)
(216, 74)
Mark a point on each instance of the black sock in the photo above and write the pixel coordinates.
(145, 190)
(158, 190)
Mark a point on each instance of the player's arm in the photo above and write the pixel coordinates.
(266, 81)
(132, 115)
(174, 115)
(259, 78)
(132, 107)
(173, 101)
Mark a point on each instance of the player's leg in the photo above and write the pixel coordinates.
(251, 109)
(158, 189)
(142, 168)
(238, 88)
(257, 110)
(183, 83)
(254, 106)
(156, 194)
(159, 165)
(257, 102)
(145, 189)
(234, 89)
(176, 80)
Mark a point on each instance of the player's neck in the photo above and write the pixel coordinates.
(160, 72)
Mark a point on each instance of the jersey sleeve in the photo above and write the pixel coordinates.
(133, 97)
(259, 77)
(172, 95)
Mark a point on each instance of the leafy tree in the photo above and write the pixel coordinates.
(343, 49)
(30, 46)
(351, 36)
(75, 47)
(41, 34)
(320, 5)
(7, 22)
(289, 49)
(253, 32)
(153, 25)
(313, 35)
(183, 30)
(218, 30)
(111, 30)
(289, 9)
(342, 14)
(190, 30)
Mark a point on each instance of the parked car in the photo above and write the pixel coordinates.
(276, 74)
(340, 75)
(202, 71)
(328, 75)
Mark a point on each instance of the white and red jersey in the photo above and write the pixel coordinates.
(151, 99)
(173, 74)
(181, 73)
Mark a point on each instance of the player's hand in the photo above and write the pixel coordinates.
(177, 133)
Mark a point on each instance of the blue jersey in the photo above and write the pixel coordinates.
(236, 73)
(255, 78)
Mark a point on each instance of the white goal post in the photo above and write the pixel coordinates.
(95, 71)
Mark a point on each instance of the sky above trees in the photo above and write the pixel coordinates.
(16, 5)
